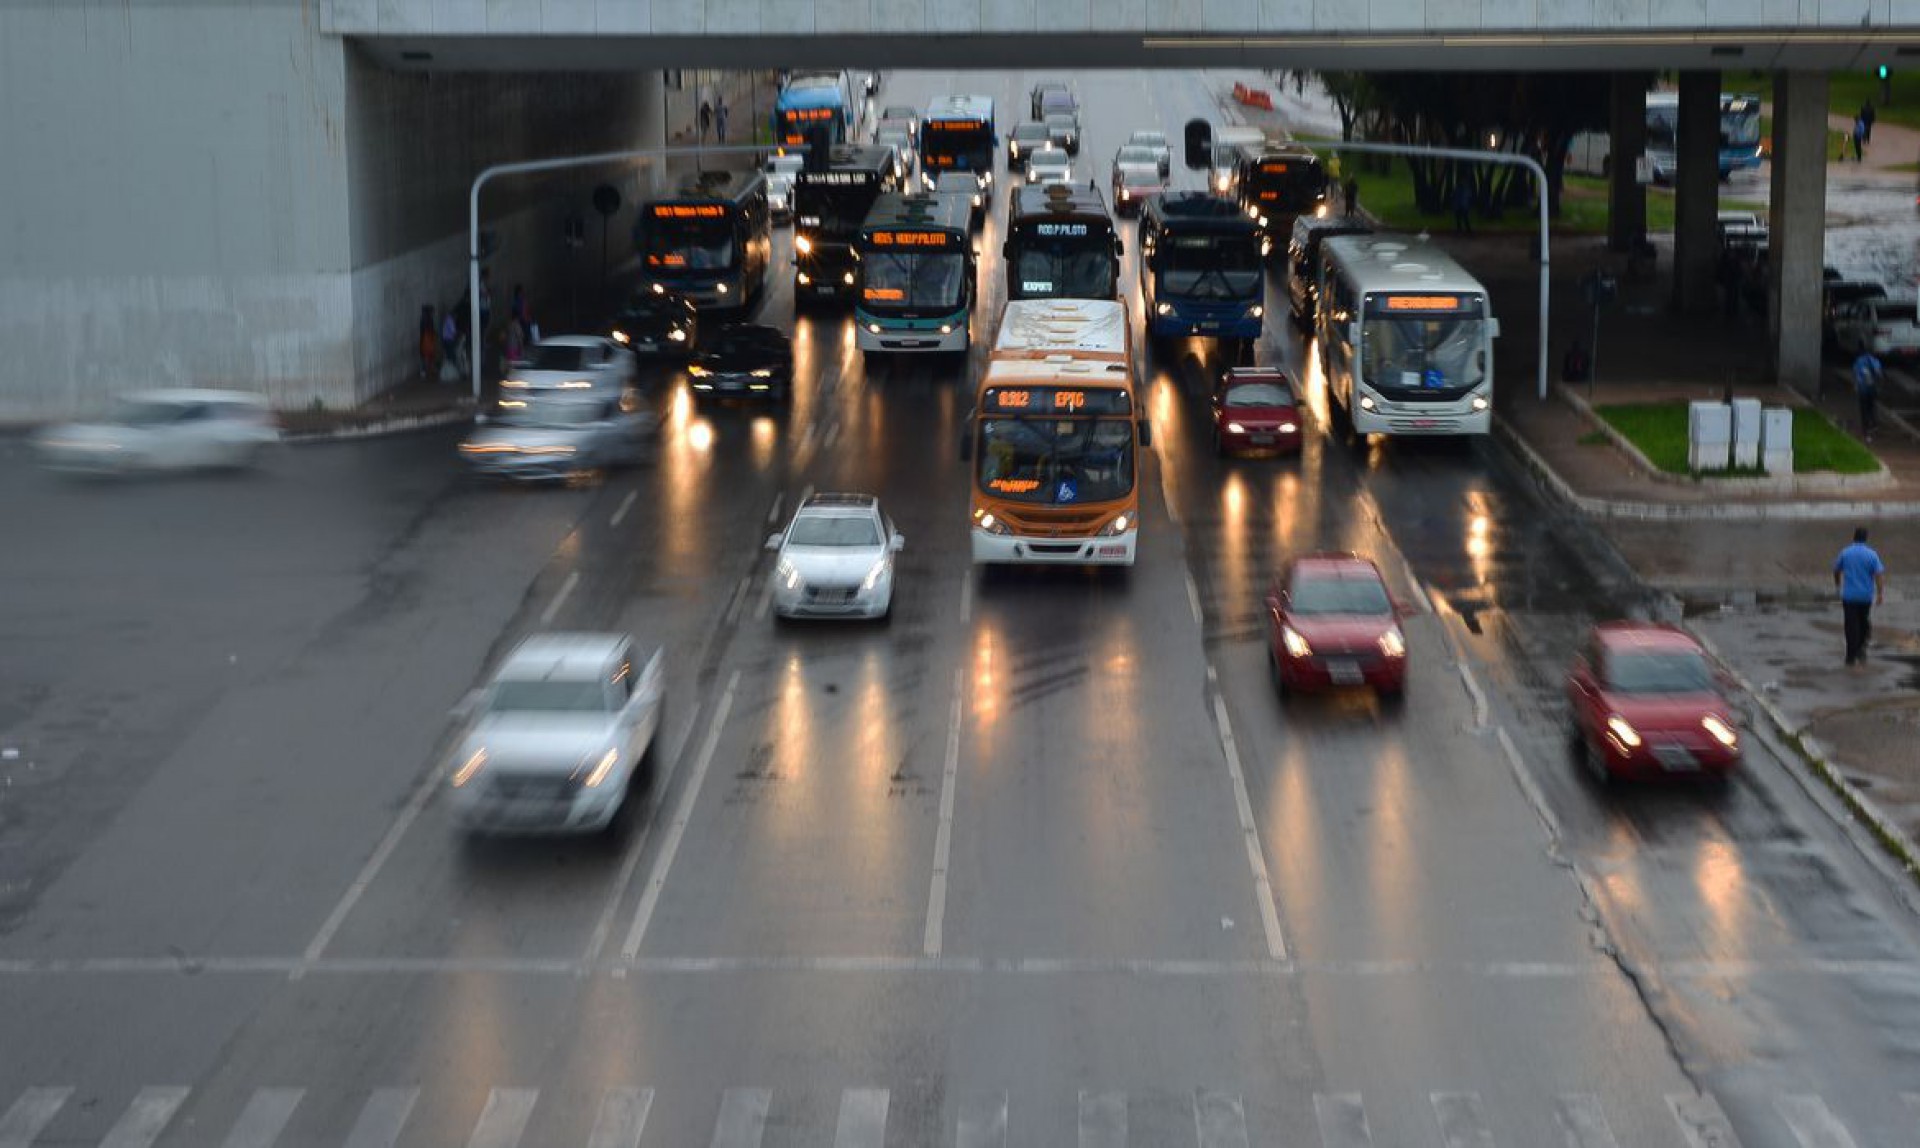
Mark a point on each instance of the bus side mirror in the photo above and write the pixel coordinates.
(1146, 433)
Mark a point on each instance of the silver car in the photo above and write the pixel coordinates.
(164, 430)
(779, 170)
(1136, 179)
(590, 363)
(836, 559)
(558, 737)
(551, 439)
(1049, 166)
(1157, 142)
(902, 145)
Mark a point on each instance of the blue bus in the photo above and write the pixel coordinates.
(957, 134)
(811, 99)
(711, 242)
(1201, 267)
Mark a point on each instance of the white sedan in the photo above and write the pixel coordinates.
(165, 430)
(590, 364)
(836, 559)
(1048, 166)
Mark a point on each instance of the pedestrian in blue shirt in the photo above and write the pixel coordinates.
(1867, 373)
(1862, 579)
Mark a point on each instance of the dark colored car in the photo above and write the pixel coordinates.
(744, 360)
(1331, 622)
(963, 183)
(658, 323)
(1255, 409)
(1645, 702)
(1023, 140)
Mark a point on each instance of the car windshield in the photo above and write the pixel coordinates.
(646, 308)
(1258, 395)
(550, 695)
(1056, 461)
(1137, 157)
(557, 357)
(833, 530)
(736, 343)
(1339, 595)
(1060, 122)
(149, 412)
(1149, 139)
(1665, 672)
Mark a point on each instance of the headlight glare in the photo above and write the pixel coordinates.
(602, 768)
(1721, 731)
(1296, 645)
(1622, 732)
(1393, 644)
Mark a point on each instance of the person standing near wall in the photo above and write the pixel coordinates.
(429, 343)
(720, 118)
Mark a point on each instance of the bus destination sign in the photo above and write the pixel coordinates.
(1449, 304)
(689, 211)
(1058, 401)
(956, 125)
(1060, 230)
(922, 240)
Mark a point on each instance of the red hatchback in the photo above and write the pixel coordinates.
(1255, 409)
(1646, 703)
(1331, 622)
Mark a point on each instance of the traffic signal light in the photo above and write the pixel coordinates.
(1883, 73)
(1199, 151)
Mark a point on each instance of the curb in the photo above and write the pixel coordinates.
(381, 428)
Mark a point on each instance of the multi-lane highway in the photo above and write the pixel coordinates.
(1042, 863)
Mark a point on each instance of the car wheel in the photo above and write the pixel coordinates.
(1394, 698)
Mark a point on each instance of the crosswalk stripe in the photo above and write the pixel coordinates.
(35, 1109)
(622, 1119)
(1342, 1119)
(1462, 1123)
(265, 1115)
(1219, 1120)
(504, 1120)
(140, 1125)
(743, 1118)
(983, 1122)
(863, 1119)
(1584, 1122)
(1812, 1123)
(1701, 1121)
(380, 1121)
(1103, 1119)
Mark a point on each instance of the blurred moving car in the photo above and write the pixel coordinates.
(559, 736)
(1049, 166)
(779, 170)
(1049, 96)
(164, 430)
(1063, 128)
(1157, 143)
(657, 323)
(964, 183)
(1890, 328)
(1331, 622)
(836, 559)
(1026, 138)
(552, 439)
(1835, 294)
(1645, 702)
(593, 364)
(902, 112)
(744, 360)
(1137, 177)
(1255, 409)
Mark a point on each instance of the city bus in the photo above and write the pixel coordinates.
(1590, 153)
(1276, 183)
(830, 204)
(1201, 268)
(1054, 437)
(1061, 244)
(711, 242)
(915, 276)
(1406, 337)
(957, 134)
(810, 99)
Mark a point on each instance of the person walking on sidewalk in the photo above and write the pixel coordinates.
(1866, 122)
(1867, 373)
(429, 343)
(1862, 579)
(1351, 190)
(1859, 139)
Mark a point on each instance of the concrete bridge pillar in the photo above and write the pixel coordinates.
(1798, 225)
(1696, 192)
(1626, 198)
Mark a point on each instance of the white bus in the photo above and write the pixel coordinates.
(1406, 337)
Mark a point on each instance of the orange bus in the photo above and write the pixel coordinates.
(1055, 435)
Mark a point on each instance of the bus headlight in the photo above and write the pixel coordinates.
(873, 328)
(1257, 310)
(678, 335)
(802, 244)
(976, 200)
(1220, 185)
(946, 328)
(985, 520)
(1163, 308)
(1479, 402)
(659, 288)
(1366, 402)
(620, 337)
(1118, 526)
(720, 287)
(847, 278)
(803, 278)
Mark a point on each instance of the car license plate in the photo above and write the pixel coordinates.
(1343, 673)
(647, 345)
(1209, 327)
(1113, 552)
(1677, 758)
(1261, 439)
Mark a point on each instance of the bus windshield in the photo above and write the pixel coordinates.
(1209, 266)
(911, 281)
(966, 146)
(1739, 124)
(1290, 186)
(1078, 268)
(1410, 355)
(690, 244)
(1056, 462)
(833, 210)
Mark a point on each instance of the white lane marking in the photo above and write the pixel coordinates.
(504, 1120)
(966, 596)
(144, 1119)
(409, 813)
(1342, 1119)
(1701, 1121)
(1103, 1119)
(1193, 598)
(603, 928)
(1463, 1124)
(833, 436)
(863, 1119)
(35, 1109)
(560, 599)
(1584, 1121)
(1219, 1120)
(983, 1122)
(622, 1119)
(943, 837)
(626, 504)
(1479, 697)
(1523, 777)
(678, 828)
(743, 1118)
(773, 512)
(738, 600)
(1249, 829)
(1812, 1123)
(265, 1116)
(382, 1119)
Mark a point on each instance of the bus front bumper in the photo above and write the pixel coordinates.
(1176, 325)
(925, 339)
(1109, 550)
(1409, 419)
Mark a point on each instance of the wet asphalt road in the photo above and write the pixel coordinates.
(1042, 863)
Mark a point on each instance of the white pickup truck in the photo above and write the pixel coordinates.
(557, 740)
(1889, 327)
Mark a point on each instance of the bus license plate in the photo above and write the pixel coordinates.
(1343, 673)
(1423, 424)
(1261, 439)
(1113, 552)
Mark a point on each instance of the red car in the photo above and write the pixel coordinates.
(1255, 409)
(1331, 622)
(1647, 703)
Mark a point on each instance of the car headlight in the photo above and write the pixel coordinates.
(762, 372)
(802, 244)
(1236, 428)
(697, 371)
(514, 384)
(1721, 731)
(985, 520)
(1393, 644)
(874, 575)
(803, 278)
(976, 200)
(1263, 221)
(1253, 212)
(1266, 246)
(469, 767)
(1117, 527)
(1479, 402)
(620, 337)
(602, 768)
(1289, 428)
(946, 328)
(1296, 645)
(659, 289)
(1622, 732)
(1163, 308)
(788, 574)
(677, 335)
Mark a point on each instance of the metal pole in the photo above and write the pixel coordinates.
(557, 163)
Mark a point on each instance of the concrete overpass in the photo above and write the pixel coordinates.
(262, 193)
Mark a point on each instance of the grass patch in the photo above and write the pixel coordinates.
(1659, 430)
(1846, 91)
(1593, 438)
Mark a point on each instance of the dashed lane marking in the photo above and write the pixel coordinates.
(566, 588)
(943, 837)
(1249, 830)
(626, 504)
